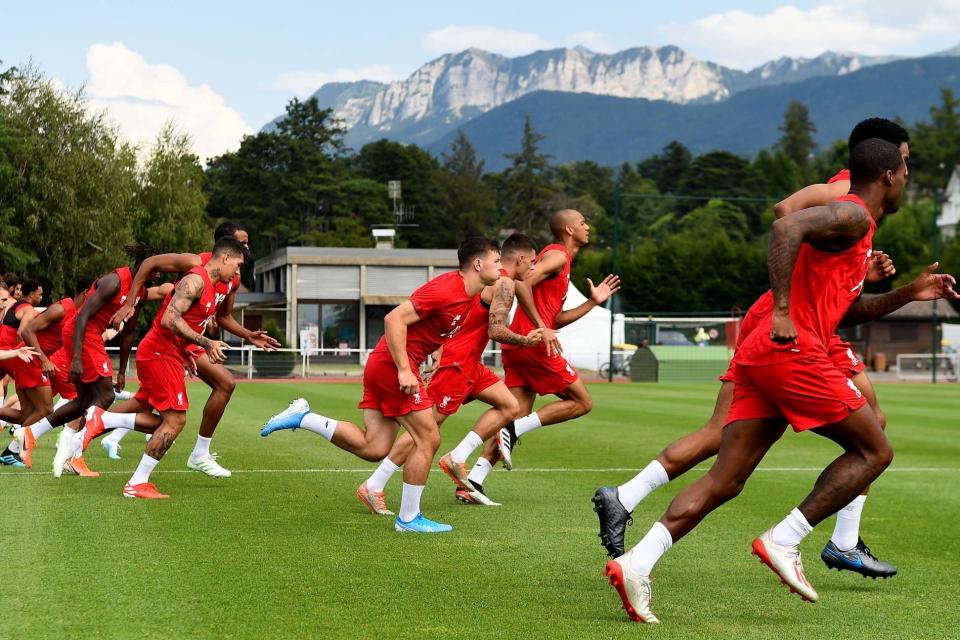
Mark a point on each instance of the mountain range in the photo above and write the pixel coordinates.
(664, 86)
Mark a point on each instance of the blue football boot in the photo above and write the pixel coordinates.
(420, 524)
(859, 560)
(289, 418)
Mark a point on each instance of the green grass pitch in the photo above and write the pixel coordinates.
(284, 549)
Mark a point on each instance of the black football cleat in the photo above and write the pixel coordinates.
(614, 519)
(859, 560)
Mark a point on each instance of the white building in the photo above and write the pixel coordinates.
(950, 213)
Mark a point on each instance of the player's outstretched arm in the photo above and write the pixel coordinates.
(497, 329)
(814, 195)
(928, 286)
(107, 287)
(395, 331)
(28, 333)
(164, 263)
(839, 224)
(227, 322)
(25, 353)
(186, 292)
(598, 295)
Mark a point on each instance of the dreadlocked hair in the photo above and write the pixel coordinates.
(140, 251)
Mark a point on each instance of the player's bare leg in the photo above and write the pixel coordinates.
(139, 485)
(371, 491)
(426, 436)
(504, 407)
(743, 446)
(846, 550)
(614, 505)
(507, 437)
(221, 384)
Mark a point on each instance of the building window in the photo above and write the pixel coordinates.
(333, 327)
(903, 332)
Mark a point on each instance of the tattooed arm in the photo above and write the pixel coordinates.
(838, 225)
(186, 292)
(927, 286)
(497, 329)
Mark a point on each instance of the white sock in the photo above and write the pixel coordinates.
(847, 530)
(410, 501)
(526, 424)
(76, 443)
(480, 471)
(323, 427)
(643, 484)
(59, 403)
(378, 480)
(116, 435)
(201, 449)
(649, 550)
(467, 446)
(119, 420)
(792, 530)
(40, 428)
(13, 447)
(144, 469)
(121, 395)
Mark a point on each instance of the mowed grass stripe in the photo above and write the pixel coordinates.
(289, 552)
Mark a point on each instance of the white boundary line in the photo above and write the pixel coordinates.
(533, 470)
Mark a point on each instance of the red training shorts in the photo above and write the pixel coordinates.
(61, 379)
(381, 390)
(450, 388)
(27, 375)
(844, 357)
(162, 384)
(531, 368)
(808, 393)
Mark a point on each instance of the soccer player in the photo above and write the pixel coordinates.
(215, 375)
(44, 332)
(461, 377)
(161, 355)
(393, 393)
(89, 365)
(845, 550)
(33, 388)
(542, 370)
(817, 262)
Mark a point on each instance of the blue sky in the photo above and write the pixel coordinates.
(237, 63)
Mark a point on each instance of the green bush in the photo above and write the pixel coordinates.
(274, 364)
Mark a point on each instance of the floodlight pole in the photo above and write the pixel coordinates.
(613, 269)
(934, 342)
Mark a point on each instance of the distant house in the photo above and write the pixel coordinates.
(949, 216)
(906, 330)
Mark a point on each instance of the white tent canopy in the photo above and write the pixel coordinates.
(586, 342)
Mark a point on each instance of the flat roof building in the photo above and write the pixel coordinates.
(337, 297)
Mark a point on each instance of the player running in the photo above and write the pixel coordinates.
(182, 320)
(845, 550)
(33, 388)
(393, 393)
(461, 377)
(86, 357)
(542, 370)
(817, 261)
(215, 375)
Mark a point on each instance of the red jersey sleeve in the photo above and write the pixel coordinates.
(437, 294)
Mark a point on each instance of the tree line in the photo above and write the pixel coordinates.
(690, 230)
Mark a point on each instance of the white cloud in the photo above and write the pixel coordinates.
(506, 41)
(303, 83)
(142, 97)
(875, 27)
(593, 40)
